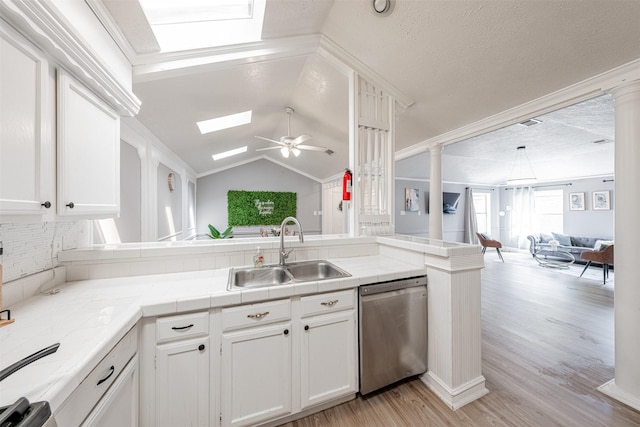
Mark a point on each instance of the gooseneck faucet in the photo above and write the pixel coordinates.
(284, 254)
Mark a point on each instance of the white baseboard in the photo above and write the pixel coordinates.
(612, 390)
(458, 397)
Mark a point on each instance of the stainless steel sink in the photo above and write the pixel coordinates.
(258, 277)
(315, 270)
(274, 275)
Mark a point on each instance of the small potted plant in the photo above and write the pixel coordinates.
(215, 234)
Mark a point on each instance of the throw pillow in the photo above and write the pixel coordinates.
(562, 238)
(545, 238)
(582, 242)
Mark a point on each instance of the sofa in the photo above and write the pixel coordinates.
(573, 244)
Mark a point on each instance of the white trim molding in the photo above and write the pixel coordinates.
(581, 91)
(41, 23)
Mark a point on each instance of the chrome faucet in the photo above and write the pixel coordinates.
(284, 254)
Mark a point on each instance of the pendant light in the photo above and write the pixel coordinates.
(521, 171)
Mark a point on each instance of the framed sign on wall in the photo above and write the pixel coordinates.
(260, 207)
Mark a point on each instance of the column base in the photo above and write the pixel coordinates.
(459, 396)
(612, 390)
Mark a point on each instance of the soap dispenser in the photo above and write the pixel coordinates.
(258, 259)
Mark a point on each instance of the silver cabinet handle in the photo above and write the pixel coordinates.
(330, 303)
(257, 315)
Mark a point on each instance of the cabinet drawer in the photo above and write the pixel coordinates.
(75, 409)
(256, 314)
(327, 303)
(182, 326)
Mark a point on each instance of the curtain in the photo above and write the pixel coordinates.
(470, 221)
(522, 216)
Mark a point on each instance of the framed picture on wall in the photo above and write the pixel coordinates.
(576, 201)
(601, 200)
(412, 199)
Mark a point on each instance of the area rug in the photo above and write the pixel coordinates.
(525, 260)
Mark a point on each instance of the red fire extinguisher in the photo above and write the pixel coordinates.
(346, 185)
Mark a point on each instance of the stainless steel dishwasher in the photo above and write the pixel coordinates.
(393, 332)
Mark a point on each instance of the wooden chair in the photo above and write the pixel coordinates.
(603, 256)
(486, 242)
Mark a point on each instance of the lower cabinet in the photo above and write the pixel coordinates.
(119, 406)
(272, 360)
(182, 384)
(256, 375)
(328, 353)
(267, 355)
(108, 395)
(255, 363)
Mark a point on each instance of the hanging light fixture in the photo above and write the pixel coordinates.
(521, 171)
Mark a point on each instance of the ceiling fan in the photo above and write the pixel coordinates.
(289, 144)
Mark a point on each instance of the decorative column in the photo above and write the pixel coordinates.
(435, 193)
(625, 387)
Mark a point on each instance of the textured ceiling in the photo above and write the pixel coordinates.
(460, 61)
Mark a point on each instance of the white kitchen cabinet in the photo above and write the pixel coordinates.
(25, 127)
(108, 392)
(256, 363)
(119, 406)
(182, 382)
(328, 354)
(88, 152)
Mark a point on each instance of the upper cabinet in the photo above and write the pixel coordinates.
(88, 152)
(25, 137)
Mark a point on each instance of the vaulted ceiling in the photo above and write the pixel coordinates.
(458, 61)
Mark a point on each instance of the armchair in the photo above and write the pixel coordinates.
(487, 242)
(603, 256)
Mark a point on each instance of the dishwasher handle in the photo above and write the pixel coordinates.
(11, 369)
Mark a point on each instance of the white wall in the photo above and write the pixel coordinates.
(260, 175)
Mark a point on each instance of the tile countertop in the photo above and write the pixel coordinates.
(89, 317)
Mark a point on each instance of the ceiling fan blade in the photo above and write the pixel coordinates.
(302, 138)
(268, 148)
(270, 140)
(311, 147)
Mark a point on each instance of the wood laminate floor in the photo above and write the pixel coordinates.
(547, 345)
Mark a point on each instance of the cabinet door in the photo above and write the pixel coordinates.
(182, 383)
(328, 357)
(88, 152)
(119, 406)
(23, 125)
(256, 374)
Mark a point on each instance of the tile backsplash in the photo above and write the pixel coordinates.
(32, 248)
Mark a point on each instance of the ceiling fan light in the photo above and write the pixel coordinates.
(285, 152)
(295, 152)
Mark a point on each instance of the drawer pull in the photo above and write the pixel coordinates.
(112, 369)
(181, 328)
(330, 303)
(257, 316)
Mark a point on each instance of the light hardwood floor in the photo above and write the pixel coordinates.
(547, 345)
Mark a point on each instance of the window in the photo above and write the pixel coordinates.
(548, 210)
(482, 206)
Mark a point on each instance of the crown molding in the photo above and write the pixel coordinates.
(41, 23)
(589, 88)
(158, 66)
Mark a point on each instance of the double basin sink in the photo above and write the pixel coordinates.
(274, 275)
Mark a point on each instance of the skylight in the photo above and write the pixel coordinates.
(224, 122)
(229, 153)
(193, 24)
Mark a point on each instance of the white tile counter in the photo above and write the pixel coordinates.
(88, 317)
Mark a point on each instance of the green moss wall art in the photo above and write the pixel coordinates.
(259, 207)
